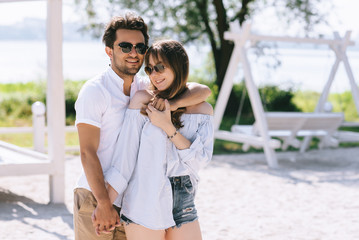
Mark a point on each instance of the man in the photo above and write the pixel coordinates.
(100, 109)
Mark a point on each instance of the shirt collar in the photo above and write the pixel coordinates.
(118, 81)
(115, 78)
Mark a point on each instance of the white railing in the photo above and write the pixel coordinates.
(38, 129)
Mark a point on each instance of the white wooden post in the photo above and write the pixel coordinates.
(38, 122)
(55, 101)
(325, 93)
(340, 53)
(228, 80)
(239, 56)
(226, 88)
(258, 111)
(353, 84)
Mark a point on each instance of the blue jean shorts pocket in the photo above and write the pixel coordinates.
(188, 186)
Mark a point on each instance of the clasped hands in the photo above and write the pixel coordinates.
(105, 218)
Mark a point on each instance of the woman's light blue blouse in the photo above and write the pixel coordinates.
(145, 158)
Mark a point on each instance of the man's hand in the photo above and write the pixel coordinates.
(173, 105)
(105, 218)
(159, 104)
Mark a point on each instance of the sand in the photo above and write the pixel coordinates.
(311, 196)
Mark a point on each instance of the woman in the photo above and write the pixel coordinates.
(158, 155)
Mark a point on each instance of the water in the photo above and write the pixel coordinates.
(23, 61)
(305, 69)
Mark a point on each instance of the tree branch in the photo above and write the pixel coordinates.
(202, 5)
(244, 12)
(222, 23)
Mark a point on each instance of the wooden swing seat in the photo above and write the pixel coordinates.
(287, 126)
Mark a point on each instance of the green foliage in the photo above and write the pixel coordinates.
(27, 139)
(344, 102)
(304, 11)
(207, 76)
(72, 88)
(16, 100)
(9, 88)
(275, 99)
(306, 101)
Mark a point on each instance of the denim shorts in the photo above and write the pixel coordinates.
(184, 210)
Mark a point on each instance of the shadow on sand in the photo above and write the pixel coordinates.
(23, 209)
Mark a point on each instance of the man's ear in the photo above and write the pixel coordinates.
(109, 52)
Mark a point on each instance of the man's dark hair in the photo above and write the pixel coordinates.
(130, 21)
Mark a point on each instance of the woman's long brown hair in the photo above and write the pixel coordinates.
(173, 56)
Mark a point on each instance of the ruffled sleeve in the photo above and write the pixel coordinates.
(126, 151)
(200, 152)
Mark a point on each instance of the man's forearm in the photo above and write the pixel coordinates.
(95, 178)
(195, 94)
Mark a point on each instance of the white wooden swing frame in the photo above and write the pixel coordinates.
(241, 36)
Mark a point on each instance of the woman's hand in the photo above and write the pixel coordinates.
(161, 119)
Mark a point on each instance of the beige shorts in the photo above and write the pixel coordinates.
(84, 205)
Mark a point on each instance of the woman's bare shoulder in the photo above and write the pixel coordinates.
(140, 98)
(201, 108)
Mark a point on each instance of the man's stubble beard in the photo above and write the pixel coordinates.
(127, 71)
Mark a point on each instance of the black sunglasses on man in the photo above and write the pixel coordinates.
(126, 47)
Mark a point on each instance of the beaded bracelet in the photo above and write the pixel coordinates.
(170, 137)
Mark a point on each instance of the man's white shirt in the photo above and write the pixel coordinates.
(102, 103)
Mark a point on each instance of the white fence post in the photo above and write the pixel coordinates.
(38, 121)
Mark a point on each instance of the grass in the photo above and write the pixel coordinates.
(26, 139)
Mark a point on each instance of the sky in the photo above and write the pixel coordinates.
(344, 15)
(13, 12)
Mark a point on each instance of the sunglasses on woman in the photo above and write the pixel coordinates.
(158, 68)
(126, 47)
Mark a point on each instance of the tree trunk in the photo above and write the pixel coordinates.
(222, 60)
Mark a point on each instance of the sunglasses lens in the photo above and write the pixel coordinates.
(141, 48)
(126, 47)
(148, 70)
(158, 68)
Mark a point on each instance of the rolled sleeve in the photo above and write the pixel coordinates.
(126, 150)
(116, 180)
(200, 152)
